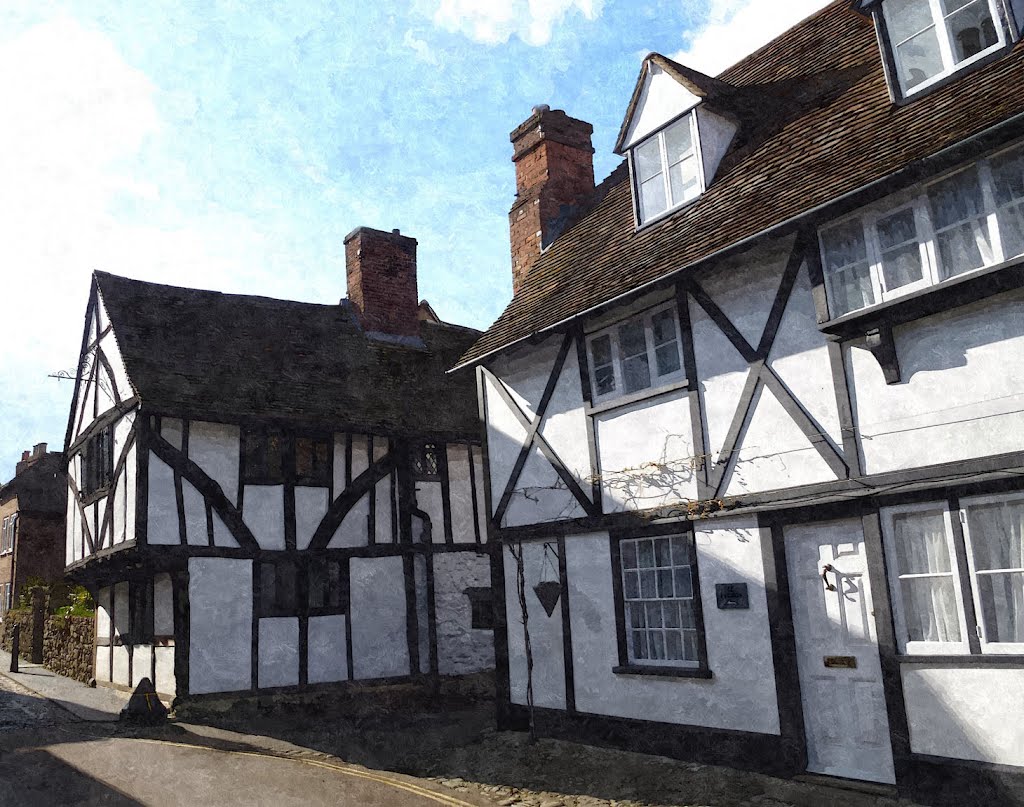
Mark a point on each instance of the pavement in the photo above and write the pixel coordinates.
(84, 702)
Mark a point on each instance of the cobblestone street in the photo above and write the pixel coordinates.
(20, 708)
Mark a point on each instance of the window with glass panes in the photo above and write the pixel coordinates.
(942, 607)
(666, 169)
(966, 221)
(659, 607)
(930, 39)
(637, 354)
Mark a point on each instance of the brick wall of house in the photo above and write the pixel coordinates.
(40, 550)
(7, 558)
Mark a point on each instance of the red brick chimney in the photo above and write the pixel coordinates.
(554, 162)
(381, 270)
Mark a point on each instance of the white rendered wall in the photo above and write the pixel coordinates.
(545, 632)
(142, 663)
(121, 628)
(539, 493)
(380, 648)
(102, 672)
(740, 696)
(214, 447)
(354, 528)
(430, 500)
(662, 98)
(327, 656)
(966, 712)
(278, 652)
(165, 682)
(220, 608)
(716, 134)
(103, 631)
(195, 515)
(460, 492)
(163, 605)
(263, 513)
(310, 508)
(961, 394)
(162, 521)
(645, 454)
(384, 498)
(461, 649)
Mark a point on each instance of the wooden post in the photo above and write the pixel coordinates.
(15, 647)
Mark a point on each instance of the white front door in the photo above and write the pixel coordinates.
(837, 652)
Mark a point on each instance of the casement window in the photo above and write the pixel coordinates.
(264, 456)
(666, 169)
(313, 460)
(968, 220)
(424, 459)
(957, 576)
(279, 588)
(636, 354)
(931, 39)
(481, 603)
(5, 598)
(324, 587)
(660, 600)
(98, 462)
(7, 534)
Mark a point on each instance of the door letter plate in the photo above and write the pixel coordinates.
(843, 662)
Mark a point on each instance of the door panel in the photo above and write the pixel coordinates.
(837, 652)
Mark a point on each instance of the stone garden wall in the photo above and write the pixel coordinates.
(67, 642)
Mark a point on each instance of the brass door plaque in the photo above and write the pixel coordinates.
(843, 662)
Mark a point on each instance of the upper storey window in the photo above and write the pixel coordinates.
(930, 39)
(963, 222)
(667, 169)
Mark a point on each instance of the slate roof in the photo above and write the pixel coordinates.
(41, 487)
(816, 123)
(234, 357)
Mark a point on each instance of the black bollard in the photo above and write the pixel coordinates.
(15, 647)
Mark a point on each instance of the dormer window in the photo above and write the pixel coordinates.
(930, 39)
(667, 169)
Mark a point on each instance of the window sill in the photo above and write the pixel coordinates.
(876, 323)
(980, 660)
(663, 672)
(636, 397)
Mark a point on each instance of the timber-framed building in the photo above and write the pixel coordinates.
(755, 413)
(268, 495)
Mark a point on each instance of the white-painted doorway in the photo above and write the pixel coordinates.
(845, 718)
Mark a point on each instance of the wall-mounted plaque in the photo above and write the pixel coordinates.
(842, 662)
(732, 596)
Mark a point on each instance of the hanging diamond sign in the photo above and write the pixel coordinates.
(548, 592)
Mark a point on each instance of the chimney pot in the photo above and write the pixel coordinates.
(38, 449)
(554, 159)
(24, 456)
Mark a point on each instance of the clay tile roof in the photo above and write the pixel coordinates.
(232, 356)
(816, 123)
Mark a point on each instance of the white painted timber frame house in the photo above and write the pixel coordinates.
(267, 495)
(755, 413)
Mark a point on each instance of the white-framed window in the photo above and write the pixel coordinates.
(666, 169)
(7, 534)
(636, 354)
(930, 588)
(924, 579)
(994, 531)
(930, 39)
(660, 607)
(967, 220)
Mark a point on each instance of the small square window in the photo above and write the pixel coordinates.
(481, 601)
(279, 588)
(313, 460)
(264, 456)
(98, 462)
(324, 594)
(425, 462)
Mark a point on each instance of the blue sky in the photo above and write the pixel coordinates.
(231, 145)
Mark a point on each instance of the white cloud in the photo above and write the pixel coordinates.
(736, 28)
(494, 21)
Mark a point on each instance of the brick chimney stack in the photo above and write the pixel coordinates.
(554, 161)
(381, 271)
(30, 458)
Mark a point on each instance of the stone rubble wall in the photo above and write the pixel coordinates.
(67, 642)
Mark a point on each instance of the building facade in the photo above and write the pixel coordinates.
(32, 525)
(755, 413)
(270, 495)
